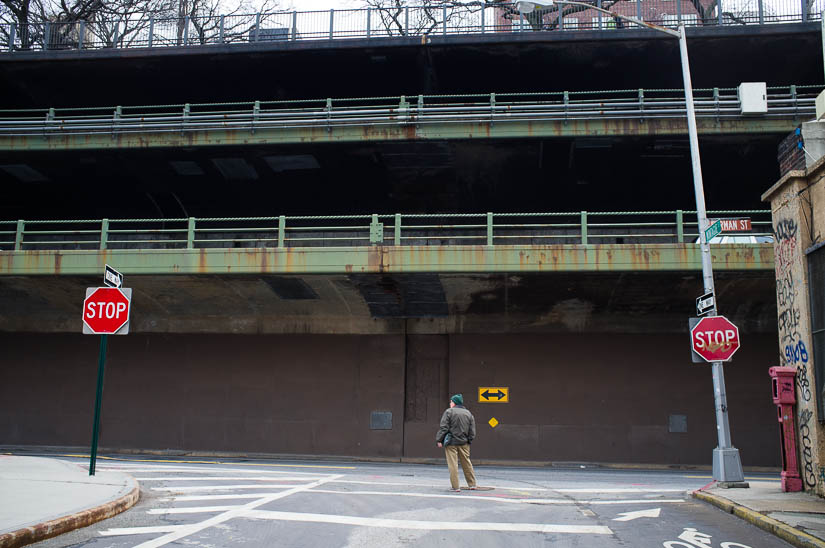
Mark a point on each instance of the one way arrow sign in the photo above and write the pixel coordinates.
(628, 516)
(493, 394)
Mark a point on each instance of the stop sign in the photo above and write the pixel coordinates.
(715, 338)
(105, 310)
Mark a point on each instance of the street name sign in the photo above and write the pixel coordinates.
(494, 394)
(735, 225)
(106, 311)
(705, 304)
(713, 230)
(715, 339)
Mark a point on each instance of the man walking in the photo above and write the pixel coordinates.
(456, 433)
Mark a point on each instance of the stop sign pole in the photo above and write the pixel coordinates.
(727, 465)
(106, 311)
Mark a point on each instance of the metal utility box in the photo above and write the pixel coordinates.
(753, 97)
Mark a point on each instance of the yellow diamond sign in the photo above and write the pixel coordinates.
(493, 422)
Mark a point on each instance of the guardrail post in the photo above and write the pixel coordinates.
(47, 36)
(281, 230)
(12, 33)
(104, 233)
(190, 234)
(256, 112)
(376, 231)
(186, 109)
(397, 233)
(116, 120)
(719, 12)
(679, 13)
(489, 228)
(584, 227)
(483, 9)
(639, 10)
(599, 5)
(151, 31)
(804, 8)
(81, 34)
(761, 12)
(369, 22)
(680, 226)
(258, 26)
(18, 236)
(221, 29)
(407, 21)
(294, 25)
(331, 22)
(642, 106)
(116, 35)
(444, 16)
(186, 31)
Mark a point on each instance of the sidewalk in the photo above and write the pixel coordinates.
(797, 518)
(45, 497)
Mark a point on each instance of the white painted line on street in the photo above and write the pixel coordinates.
(190, 510)
(608, 490)
(494, 498)
(187, 530)
(430, 525)
(231, 478)
(188, 498)
(212, 470)
(140, 530)
(191, 488)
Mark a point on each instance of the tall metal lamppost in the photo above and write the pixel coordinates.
(727, 466)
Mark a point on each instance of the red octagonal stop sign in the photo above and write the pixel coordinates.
(105, 310)
(715, 338)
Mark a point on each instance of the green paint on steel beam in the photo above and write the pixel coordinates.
(398, 132)
(391, 259)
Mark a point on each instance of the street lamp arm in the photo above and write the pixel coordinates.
(671, 32)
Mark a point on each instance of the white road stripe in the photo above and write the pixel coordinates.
(430, 525)
(609, 490)
(187, 530)
(493, 498)
(140, 530)
(192, 488)
(231, 478)
(212, 470)
(187, 498)
(190, 510)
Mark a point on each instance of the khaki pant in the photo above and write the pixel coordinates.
(454, 454)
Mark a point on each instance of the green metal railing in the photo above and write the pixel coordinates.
(336, 231)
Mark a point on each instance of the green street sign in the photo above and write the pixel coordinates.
(713, 230)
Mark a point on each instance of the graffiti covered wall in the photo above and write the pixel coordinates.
(797, 225)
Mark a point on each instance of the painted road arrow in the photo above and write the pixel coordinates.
(627, 516)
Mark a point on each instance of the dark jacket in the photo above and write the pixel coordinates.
(461, 425)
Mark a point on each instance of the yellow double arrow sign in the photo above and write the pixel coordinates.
(494, 394)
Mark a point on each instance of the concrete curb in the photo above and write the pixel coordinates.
(42, 531)
(781, 530)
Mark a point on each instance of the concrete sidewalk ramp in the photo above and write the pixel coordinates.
(44, 497)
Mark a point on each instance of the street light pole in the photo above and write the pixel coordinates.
(727, 466)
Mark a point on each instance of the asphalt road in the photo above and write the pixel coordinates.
(207, 503)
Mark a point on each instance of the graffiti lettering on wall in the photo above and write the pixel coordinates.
(807, 446)
(793, 348)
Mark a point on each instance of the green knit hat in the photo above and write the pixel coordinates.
(458, 399)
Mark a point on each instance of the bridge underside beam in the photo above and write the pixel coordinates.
(262, 135)
(386, 259)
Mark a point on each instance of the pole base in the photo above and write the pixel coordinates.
(733, 484)
(726, 465)
(791, 483)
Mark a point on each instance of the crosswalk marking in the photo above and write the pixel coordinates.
(140, 530)
(230, 478)
(607, 490)
(189, 488)
(430, 525)
(190, 510)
